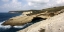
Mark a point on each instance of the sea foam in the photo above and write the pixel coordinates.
(8, 26)
(4, 27)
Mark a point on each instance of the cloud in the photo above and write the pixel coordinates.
(44, 3)
(60, 1)
(13, 5)
(37, 2)
(5, 0)
(40, 4)
(30, 4)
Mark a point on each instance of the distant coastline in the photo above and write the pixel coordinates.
(30, 16)
(22, 11)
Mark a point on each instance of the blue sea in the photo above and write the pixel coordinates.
(6, 16)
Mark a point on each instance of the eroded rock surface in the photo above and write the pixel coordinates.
(21, 20)
(53, 24)
(18, 20)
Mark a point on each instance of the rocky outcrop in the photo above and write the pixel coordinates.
(52, 24)
(25, 13)
(21, 20)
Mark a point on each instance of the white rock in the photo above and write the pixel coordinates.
(53, 24)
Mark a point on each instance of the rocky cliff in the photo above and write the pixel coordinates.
(52, 24)
(50, 20)
(21, 11)
(21, 20)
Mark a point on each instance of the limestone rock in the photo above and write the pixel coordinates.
(19, 20)
(53, 24)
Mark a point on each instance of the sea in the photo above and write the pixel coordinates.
(8, 28)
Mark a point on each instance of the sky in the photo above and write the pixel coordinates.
(14, 5)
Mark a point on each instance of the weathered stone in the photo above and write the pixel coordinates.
(53, 24)
(18, 21)
(21, 20)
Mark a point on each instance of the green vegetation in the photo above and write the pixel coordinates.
(21, 11)
(54, 9)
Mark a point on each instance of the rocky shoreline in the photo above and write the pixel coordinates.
(53, 24)
(21, 20)
(46, 18)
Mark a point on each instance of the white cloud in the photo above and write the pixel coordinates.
(5, 0)
(13, 5)
(37, 2)
(30, 4)
(44, 3)
(60, 1)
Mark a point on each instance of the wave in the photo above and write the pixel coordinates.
(8, 26)
(4, 27)
(18, 26)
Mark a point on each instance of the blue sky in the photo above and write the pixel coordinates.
(13, 5)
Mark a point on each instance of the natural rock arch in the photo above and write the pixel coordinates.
(37, 19)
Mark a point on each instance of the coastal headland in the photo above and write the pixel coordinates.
(30, 15)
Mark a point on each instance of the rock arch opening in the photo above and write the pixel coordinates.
(37, 19)
(34, 20)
